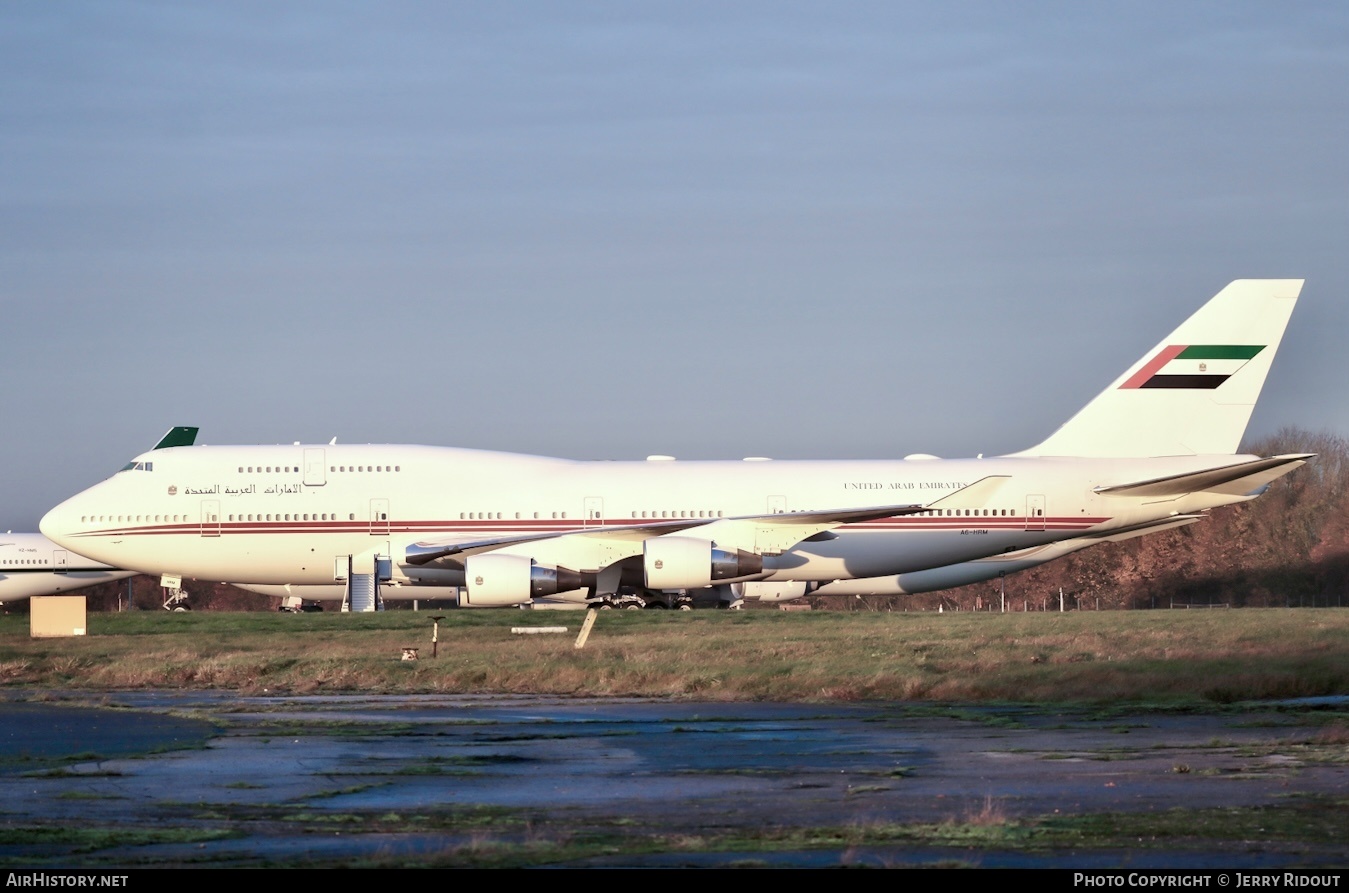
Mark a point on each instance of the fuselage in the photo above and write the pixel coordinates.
(31, 564)
(291, 514)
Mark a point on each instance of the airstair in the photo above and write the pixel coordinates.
(362, 589)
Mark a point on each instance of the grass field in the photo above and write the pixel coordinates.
(1133, 657)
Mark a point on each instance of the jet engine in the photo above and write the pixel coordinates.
(494, 580)
(681, 562)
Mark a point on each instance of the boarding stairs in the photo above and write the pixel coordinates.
(362, 590)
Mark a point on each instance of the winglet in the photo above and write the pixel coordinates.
(176, 437)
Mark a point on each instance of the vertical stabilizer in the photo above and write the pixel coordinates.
(1194, 392)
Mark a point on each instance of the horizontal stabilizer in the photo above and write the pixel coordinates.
(1240, 479)
(1128, 533)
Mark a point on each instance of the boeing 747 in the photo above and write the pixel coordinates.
(1158, 445)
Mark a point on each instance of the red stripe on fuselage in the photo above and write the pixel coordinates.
(504, 527)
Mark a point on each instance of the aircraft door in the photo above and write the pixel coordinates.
(1035, 512)
(379, 517)
(210, 517)
(315, 470)
(60, 563)
(594, 512)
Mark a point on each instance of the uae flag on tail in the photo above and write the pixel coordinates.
(1193, 367)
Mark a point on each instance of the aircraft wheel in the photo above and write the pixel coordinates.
(606, 607)
(632, 607)
(686, 607)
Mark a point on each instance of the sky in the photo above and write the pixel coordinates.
(610, 230)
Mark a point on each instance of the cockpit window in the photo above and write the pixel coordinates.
(139, 466)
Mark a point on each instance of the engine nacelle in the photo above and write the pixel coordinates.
(772, 592)
(681, 562)
(495, 580)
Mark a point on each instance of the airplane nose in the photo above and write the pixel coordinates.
(55, 525)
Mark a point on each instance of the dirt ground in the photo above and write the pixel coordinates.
(335, 780)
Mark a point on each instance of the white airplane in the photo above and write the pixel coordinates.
(980, 570)
(1158, 444)
(31, 564)
(912, 583)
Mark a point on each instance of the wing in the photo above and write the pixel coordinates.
(684, 553)
(450, 552)
(593, 548)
